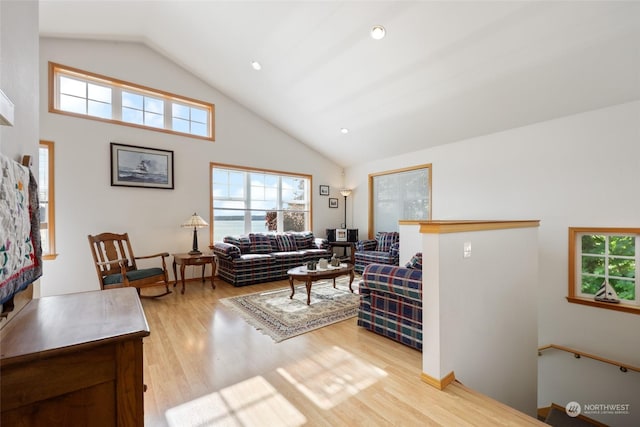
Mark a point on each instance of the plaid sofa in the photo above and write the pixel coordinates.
(263, 257)
(391, 301)
(384, 249)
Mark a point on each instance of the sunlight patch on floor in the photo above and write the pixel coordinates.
(331, 376)
(253, 402)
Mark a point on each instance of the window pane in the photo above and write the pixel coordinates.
(592, 244)
(236, 179)
(199, 115)
(99, 109)
(154, 105)
(237, 205)
(294, 221)
(73, 104)
(180, 125)
(132, 100)
(100, 93)
(132, 116)
(69, 86)
(622, 245)
(624, 288)
(590, 285)
(622, 267)
(199, 129)
(271, 194)
(593, 265)
(224, 225)
(180, 111)
(152, 119)
(258, 222)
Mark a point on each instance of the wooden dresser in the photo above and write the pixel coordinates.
(74, 360)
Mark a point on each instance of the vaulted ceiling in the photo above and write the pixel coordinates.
(446, 70)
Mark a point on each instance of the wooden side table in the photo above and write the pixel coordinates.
(186, 259)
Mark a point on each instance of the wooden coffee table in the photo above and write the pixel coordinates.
(309, 276)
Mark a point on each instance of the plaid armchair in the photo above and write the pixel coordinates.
(391, 301)
(384, 249)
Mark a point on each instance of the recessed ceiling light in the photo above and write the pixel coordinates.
(256, 65)
(344, 131)
(378, 32)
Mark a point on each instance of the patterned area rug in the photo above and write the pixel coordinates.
(274, 314)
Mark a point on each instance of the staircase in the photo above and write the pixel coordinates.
(556, 416)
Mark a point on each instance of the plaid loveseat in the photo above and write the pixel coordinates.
(384, 249)
(391, 301)
(263, 257)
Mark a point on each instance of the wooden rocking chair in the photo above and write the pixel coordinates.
(116, 264)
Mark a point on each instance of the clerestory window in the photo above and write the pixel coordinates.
(245, 200)
(603, 266)
(83, 94)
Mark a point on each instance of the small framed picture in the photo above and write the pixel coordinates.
(324, 190)
(333, 203)
(341, 235)
(133, 166)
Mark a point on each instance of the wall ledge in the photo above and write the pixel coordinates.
(458, 226)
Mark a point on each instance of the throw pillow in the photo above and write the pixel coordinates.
(304, 240)
(260, 243)
(242, 242)
(386, 240)
(286, 243)
(415, 262)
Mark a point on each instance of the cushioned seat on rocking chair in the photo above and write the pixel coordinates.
(116, 265)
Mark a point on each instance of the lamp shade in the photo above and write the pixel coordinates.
(195, 221)
(345, 192)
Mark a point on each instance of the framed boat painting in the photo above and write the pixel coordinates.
(133, 166)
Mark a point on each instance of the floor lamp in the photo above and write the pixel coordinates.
(345, 192)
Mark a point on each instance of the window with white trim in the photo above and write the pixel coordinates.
(403, 194)
(246, 200)
(603, 267)
(83, 94)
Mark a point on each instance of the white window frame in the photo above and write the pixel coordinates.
(575, 294)
(117, 87)
(246, 198)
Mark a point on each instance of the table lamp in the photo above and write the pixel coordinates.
(196, 222)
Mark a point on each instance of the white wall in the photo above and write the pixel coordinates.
(411, 241)
(564, 379)
(86, 203)
(580, 170)
(19, 77)
(480, 312)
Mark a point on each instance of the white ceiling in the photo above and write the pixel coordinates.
(446, 71)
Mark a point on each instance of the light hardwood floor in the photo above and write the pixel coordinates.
(204, 365)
